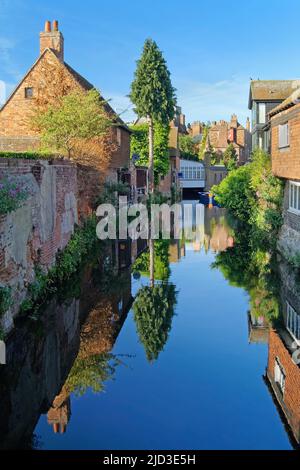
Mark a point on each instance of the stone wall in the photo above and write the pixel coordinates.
(289, 236)
(33, 234)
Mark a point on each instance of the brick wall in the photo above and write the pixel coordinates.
(33, 234)
(289, 401)
(286, 162)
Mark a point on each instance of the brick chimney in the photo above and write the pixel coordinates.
(52, 39)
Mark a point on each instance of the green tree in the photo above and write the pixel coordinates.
(203, 144)
(76, 116)
(152, 94)
(161, 261)
(230, 158)
(140, 145)
(90, 373)
(188, 148)
(154, 308)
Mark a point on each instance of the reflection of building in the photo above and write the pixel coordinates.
(210, 228)
(258, 329)
(283, 372)
(97, 336)
(283, 377)
(60, 413)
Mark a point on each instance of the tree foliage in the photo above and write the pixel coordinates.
(230, 158)
(255, 196)
(140, 145)
(90, 373)
(188, 148)
(154, 308)
(161, 261)
(152, 92)
(74, 117)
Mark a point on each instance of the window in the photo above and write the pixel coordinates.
(279, 375)
(119, 136)
(28, 93)
(294, 197)
(261, 113)
(293, 322)
(284, 135)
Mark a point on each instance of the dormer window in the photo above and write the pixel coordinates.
(28, 92)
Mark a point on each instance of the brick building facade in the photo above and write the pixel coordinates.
(223, 133)
(49, 77)
(285, 146)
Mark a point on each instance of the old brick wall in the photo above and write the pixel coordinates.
(290, 399)
(286, 162)
(33, 234)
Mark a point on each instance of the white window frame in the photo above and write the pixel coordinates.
(294, 197)
(293, 322)
(279, 375)
(262, 113)
(283, 135)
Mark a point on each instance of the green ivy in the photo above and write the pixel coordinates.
(83, 242)
(140, 146)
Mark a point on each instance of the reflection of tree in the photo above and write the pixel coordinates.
(90, 373)
(253, 268)
(161, 261)
(153, 312)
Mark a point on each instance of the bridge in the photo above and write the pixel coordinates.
(192, 175)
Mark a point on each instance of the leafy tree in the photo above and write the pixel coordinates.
(74, 117)
(152, 94)
(188, 148)
(203, 144)
(230, 158)
(153, 312)
(161, 261)
(140, 145)
(91, 373)
(236, 194)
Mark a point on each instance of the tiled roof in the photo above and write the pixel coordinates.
(271, 90)
(293, 99)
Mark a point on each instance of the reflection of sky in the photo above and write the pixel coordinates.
(205, 391)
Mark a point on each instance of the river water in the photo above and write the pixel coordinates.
(94, 372)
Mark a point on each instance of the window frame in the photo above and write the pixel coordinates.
(292, 197)
(279, 375)
(286, 143)
(293, 322)
(26, 89)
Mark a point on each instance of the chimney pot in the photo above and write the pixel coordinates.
(55, 25)
(48, 27)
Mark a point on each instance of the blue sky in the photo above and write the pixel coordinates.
(212, 48)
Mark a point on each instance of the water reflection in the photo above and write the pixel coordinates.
(69, 352)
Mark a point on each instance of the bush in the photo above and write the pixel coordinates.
(255, 197)
(235, 193)
(67, 264)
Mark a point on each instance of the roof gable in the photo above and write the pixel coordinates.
(271, 90)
